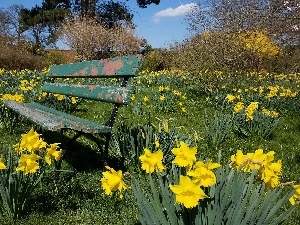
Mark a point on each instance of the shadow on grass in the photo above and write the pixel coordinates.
(83, 154)
(82, 163)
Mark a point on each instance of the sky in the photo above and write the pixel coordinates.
(160, 25)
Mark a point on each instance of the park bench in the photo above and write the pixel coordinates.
(50, 119)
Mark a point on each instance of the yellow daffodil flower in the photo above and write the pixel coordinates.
(296, 195)
(230, 98)
(146, 99)
(53, 153)
(30, 142)
(113, 181)
(184, 156)
(28, 163)
(2, 165)
(152, 161)
(187, 192)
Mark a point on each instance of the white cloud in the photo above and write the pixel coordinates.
(170, 12)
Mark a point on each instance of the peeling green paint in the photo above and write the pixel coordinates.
(114, 67)
(120, 95)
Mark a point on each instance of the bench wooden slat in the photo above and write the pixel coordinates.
(119, 95)
(53, 120)
(42, 118)
(125, 66)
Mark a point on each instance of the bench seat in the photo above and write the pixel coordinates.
(53, 120)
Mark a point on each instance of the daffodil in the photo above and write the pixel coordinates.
(239, 106)
(53, 153)
(230, 98)
(59, 97)
(152, 161)
(2, 165)
(162, 98)
(184, 156)
(156, 144)
(30, 142)
(268, 171)
(202, 174)
(28, 163)
(187, 192)
(132, 97)
(209, 165)
(146, 99)
(161, 88)
(113, 181)
(73, 100)
(296, 195)
(250, 110)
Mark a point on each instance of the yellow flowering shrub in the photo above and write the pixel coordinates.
(259, 43)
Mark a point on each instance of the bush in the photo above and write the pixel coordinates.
(93, 40)
(56, 57)
(155, 60)
(18, 57)
(244, 51)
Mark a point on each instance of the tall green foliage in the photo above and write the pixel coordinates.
(236, 198)
(15, 186)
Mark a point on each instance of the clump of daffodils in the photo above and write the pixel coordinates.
(31, 148)
(199, 175)
(268, 170)
(14, 97)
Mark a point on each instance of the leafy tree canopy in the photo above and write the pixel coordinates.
(112, 13)
(144, 3)
(49, 17)
(45, 18)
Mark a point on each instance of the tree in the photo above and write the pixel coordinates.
(280, 18)
(9, 23)
(112, 13)
(144, 3)
(43, 21)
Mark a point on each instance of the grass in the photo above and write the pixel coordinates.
(78, 197)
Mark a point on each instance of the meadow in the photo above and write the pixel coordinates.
(214, 113)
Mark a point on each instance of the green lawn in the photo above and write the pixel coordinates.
(189, 108)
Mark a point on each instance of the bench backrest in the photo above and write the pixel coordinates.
(124, 66)
(118, 67)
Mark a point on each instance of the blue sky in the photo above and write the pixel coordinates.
(158, 24)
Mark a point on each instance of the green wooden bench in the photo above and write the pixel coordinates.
(50, 119)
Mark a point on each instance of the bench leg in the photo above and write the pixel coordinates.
(105, 153)
(58, 163)
(57, 170)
